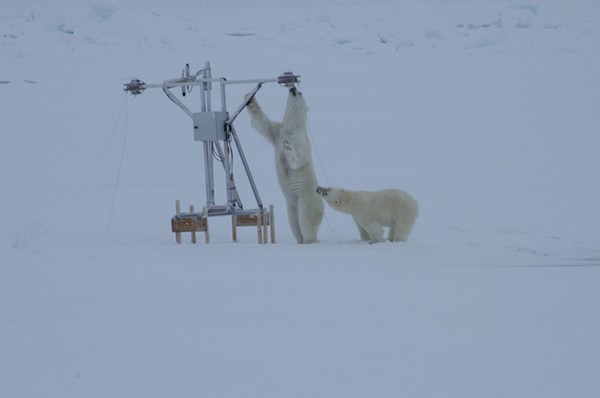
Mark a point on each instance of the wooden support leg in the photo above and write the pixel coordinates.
(264, 217)
(177, 212)
(272, 222)
(193, 232)
(206, 231)
(234, 227)
(259, 226)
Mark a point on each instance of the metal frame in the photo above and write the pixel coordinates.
(213, 127)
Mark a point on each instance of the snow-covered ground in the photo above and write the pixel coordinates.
(486, 111)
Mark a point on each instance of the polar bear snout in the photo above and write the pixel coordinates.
(323, 191)
(332, 196)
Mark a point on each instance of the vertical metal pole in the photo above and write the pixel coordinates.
(246, 167)
(208, 166)
(208, 75)
(205, 102)
(232, 196)
(223, 101)
(229, 175)
(234, 192)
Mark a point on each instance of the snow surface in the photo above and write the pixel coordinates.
(486, 111)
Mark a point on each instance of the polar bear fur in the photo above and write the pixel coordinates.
(294, 165)
(373, 210)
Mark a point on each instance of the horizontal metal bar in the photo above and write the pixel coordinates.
(222, 210)
(137, 86)
(248, 81)
(171, 84)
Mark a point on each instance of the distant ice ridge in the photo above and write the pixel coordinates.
(505, 26)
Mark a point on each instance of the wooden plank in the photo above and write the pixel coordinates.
(188, 224)
(246, 220)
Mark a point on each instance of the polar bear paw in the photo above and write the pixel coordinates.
(251, 102)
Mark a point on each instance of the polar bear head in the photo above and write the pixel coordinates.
(296, 110)
(333, 196)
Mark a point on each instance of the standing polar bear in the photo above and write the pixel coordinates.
(372, 210)
(294, 165)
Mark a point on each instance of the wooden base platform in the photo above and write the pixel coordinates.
(198, 222)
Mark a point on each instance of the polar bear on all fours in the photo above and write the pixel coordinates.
(294, 165)
(372, 210)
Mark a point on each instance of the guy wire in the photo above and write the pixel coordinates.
(87, 180)
(112, 208)
(314, 145)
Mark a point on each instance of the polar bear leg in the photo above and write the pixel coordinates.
(374, 229)
(400, 229)
(310, 215)
(293, 221)
(395, 233)
(364, 235)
